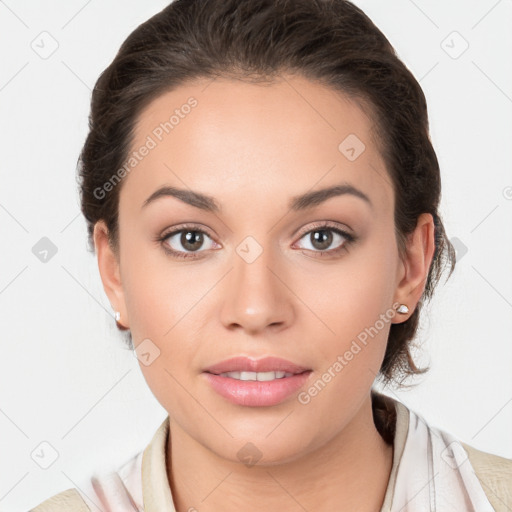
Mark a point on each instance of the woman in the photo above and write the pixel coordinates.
(262, 196)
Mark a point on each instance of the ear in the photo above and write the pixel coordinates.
(416, 264)
(108, 265)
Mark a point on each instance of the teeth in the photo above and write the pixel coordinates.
(259, 376)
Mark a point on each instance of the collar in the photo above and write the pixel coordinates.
(156, 491)
(401, 434)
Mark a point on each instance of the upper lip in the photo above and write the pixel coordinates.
(246, 364)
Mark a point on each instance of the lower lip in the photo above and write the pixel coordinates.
(255, 393)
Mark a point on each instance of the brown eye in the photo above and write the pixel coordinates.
(324, 236)
(321, 239)
(185, 240)
(191, 240)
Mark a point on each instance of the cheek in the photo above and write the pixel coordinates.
(157, 291)
(168, 381)
(163, 303)
(354, 301)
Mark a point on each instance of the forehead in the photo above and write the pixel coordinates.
(228, 137)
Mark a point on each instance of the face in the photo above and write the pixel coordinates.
(263, 274)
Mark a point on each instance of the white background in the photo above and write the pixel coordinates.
(66, 378)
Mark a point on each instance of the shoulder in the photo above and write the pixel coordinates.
(67, 500)
(486, 476)
(118, 490)
(495, 475)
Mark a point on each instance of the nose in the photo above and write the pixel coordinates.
(256, 296)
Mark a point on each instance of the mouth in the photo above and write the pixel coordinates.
(247, 366)
(257, 376)
(256, 383)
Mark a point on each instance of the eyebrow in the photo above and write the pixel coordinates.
(196, 199)
(297, 203)
(316, 197)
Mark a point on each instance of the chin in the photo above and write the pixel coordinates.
(259, 451)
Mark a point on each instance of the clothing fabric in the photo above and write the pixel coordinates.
(432, 471)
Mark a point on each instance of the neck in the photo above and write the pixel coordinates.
(350, 472)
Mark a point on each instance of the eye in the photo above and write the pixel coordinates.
(324, 235)
(185, 241)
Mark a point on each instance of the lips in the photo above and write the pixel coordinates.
(246, 364)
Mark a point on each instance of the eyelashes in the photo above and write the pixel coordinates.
(186, 230)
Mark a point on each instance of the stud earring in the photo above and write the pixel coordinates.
(402, 309)
(120, 326)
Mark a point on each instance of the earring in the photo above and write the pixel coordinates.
(403, 309)
(120, 326)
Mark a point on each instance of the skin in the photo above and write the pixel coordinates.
(252, 148)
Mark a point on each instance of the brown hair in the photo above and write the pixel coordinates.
(331, 42)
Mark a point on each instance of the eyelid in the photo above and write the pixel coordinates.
(200, 227)
(325, 224)
(182, 227)
(349, 236)
(175, 230)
